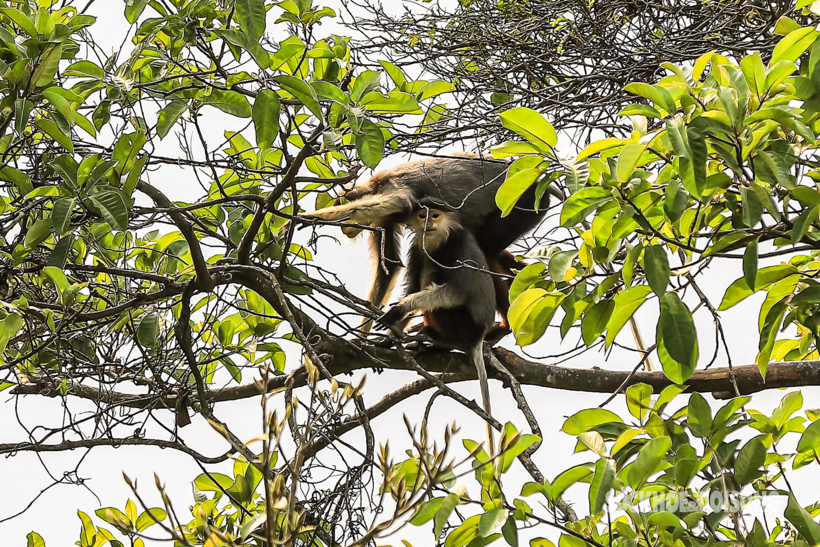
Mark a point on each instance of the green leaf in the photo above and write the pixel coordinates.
(327, 90)
(37, 232)
(656, 94)
(22, 113)
(113, 209)
(464, 534)
(579, 205)
(793, 45)
(59, 254)
(531, 125)
(85, 68)
(134, 9)
(21, 20)
(567, 479)
(491, 521)
(427, 511)
(586, 419)
(749, 461)
(115, 517)
(648, 460)
(211, 482)
(657, 268)
(47, 68)
(559, 264)
(810, 439)
(675, 201)
(515, 186)
(169, 115)
(150, 517)
(768, 334)
(531, 314)
(53, 130)
(803, 521)
(370, 143)
(738, 291)
(302, 91)
(251, 16)
(18, 178)
(61, 214)
(443, 514)
(638, 399)
(676, 330)
(803, 223)
(525, 279)
(231, 102)
(595, 320)
(148, 330)
(598, 147)
(266, 110)
(33, 539)
(628, 160)
(602, 483)
(627, 303)
(754, 72)
(750, 264)
(513, 148)
(699, 416)
(364, 83)
(395, 102)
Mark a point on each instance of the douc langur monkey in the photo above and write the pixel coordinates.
(465, 184)
(447, 280)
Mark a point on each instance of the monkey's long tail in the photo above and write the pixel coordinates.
(477, 356)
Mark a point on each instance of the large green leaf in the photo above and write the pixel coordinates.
(148, 330)
(656, 264)
(61, 214)
(531, 125)
(579, 205)
(793, 45)
(568, 478)
(230, 102)
(169, 115)
(266, 110)
(803, 521)
(749, 461)
(586, 419)
(370, 143)
(676, 332)
(627, 303)
(251, 16)
(810, 439)
(113, 209)
(515, 186)
(302, 91)
(648, 460)
(602, 483)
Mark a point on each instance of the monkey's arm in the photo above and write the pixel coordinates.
(366, 210)
(434, 297)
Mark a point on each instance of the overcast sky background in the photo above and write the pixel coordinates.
(53, 515)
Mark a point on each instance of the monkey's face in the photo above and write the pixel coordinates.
(432, 225)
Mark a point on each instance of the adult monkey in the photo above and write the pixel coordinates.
(466, 184)
(448, 283)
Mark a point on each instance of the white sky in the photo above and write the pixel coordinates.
(54, 514)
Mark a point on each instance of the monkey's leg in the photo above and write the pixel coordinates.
(384, 252)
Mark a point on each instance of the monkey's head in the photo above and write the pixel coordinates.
(432, 224)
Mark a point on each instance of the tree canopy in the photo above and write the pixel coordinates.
(155, 268)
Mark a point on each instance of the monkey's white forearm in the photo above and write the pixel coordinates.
(434, 297)
(366, 210)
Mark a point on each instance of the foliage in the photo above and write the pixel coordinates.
(721, 159)
(568, 60)
(146, 283)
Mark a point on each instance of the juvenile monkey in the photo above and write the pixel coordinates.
(447, 281)
(465, 184)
